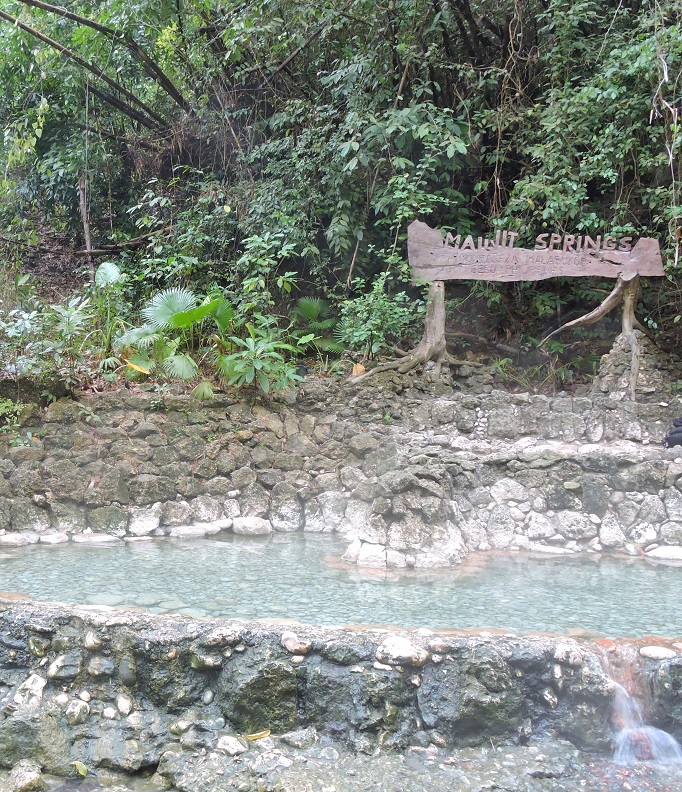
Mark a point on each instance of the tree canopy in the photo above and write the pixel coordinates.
(240, 139)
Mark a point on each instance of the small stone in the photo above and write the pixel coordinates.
(208, 697)
(25, 776)
(124, 705)
(30, 689)
(84, 696)
(66, 666)
(77, 712)
(657, 652)
(92, 640)
(301, 738)
(398, 650)
(293, 644)
(109, 713)
(231, 745)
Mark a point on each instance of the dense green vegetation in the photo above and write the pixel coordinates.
(259, 152)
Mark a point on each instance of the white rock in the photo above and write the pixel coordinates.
(54, 538)
(92, 640)
(232, 746)
(144, 519)
(610, 532)
(398, 650)
(251, 526)
(372, 555)
(352, 552)
(537, 526)
(109, 713)
(657, 652)
(124, 705)
(507, 489)
(396, 559)
(536, 547)
(94, 538)
(644, 534)
(19, 539)
(30, 690)
(190, 531)
(231, 508)
(77, 712)
(667, 553)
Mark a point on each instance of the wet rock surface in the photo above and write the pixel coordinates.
(409, 479)
(272, 765)
(203, 699)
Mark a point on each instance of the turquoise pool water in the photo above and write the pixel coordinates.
(298, 576)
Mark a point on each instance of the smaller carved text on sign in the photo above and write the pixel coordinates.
(434, 256)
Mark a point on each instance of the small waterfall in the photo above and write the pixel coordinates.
(635, 740)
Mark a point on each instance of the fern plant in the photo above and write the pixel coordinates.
(314, 316)
(164, 343)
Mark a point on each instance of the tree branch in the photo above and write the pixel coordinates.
(150, 67)
(83, 64)
(300, 49)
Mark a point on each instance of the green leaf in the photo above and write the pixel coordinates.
(203, 391)
(184, 319)
(264, 382)
(160, 311)
(108, 274)
(223, 316)
(80, 768)
(181, 366)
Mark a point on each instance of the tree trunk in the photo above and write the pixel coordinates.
(432, 345)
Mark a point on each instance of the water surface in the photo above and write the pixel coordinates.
(295, 576)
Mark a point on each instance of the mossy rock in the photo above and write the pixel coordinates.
(253, 699)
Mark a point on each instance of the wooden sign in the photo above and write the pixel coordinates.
(435, 257)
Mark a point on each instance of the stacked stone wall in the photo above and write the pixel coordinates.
(410, 480)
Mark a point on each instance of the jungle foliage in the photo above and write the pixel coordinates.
(261, 151)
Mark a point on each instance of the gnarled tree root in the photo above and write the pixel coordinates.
(432, 346)
(625, 292)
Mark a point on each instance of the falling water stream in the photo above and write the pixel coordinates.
(635, 740)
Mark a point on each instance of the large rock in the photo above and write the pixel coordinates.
(109, 520)
(257, 698)
(251, 526)
(610, 532)
(206, 509)
(27, 516)
(575, 525)
(286, 508)
(475, 698)
(501, 527)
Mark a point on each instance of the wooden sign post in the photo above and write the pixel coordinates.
(437, 257)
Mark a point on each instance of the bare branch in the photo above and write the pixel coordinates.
(83, 64)
(150, 67)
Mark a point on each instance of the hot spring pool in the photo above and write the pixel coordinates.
(298, 576)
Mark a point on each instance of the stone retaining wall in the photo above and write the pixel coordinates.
(117, 689)
(410, 480)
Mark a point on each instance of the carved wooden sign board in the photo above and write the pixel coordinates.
(435, 257)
